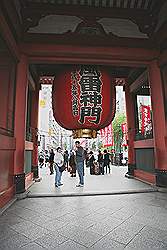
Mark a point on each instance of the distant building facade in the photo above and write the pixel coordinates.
(50, 133)
(120, 100)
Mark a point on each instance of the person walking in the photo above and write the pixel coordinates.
(72, 164)
(51, 161)
(59, 161)
(79, 154)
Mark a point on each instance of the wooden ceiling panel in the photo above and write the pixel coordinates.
(142, 13)
(140, 4)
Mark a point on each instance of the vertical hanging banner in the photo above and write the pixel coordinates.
(124, 134)
(102, 133)
(83, 97)
(107, 136)
(110, 136)
(145, 118)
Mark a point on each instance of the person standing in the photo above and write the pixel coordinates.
(107, 160)
(72, 164)
(51, 161)
(59, 161)
(79, 154)
(41, 160)
(86, 155)
(46, 158)
(101, 162)
(91, 163)
(66, 155)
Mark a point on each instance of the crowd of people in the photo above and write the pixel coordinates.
(74, 162)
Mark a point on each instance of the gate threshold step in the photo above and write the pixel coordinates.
(86, 193)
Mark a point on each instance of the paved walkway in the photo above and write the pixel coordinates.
(131, 221)
(116, 182)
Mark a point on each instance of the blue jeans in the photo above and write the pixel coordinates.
(57, 176)
(80, 169)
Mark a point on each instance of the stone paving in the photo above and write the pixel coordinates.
(124, 221)
(127, 221)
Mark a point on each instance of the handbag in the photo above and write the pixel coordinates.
(62, 168)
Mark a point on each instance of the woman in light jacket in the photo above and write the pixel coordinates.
(59, 161)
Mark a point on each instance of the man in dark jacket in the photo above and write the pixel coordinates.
(107, 160)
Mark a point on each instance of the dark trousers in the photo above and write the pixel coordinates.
(107, 165)
(92, 170)
(51, 167)
(101, 166)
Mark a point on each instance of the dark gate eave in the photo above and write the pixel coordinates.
(49, 53)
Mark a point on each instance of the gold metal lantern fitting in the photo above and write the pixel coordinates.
(84, 133)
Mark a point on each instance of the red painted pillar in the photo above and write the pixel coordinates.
(159, 128)
(131, 130)
(20, 123)
(34, 125)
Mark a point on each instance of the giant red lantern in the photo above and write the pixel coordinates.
(83, 100)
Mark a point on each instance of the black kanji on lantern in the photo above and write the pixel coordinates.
(90, 94)
(90, 83)
(90, 112)
(75, 106)
(85, 111)
(91, 99)
(97, 113)
(74, 92)
(85, 70)
(90, 79)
